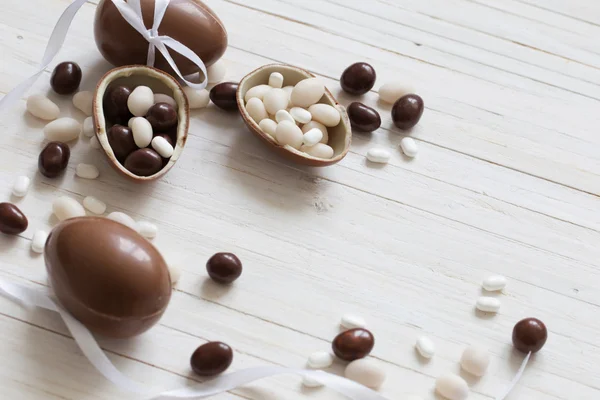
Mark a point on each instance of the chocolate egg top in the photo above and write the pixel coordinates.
(107, 275)
(190, 22)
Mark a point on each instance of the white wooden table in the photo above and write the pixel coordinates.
(506, 181)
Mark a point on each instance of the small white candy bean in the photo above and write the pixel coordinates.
(310, 382)
(95, 143)
(87, 171)
(217, 72)
(88, 127)
(275, 100)
(62, 130)
(39, 241)
(147, 229)
(288, 90)
(494, 283)
(256, 109)
(325, 114)
(42, 107)
(312, 137)
(197, 98)
(319, 150)
(307, 92)
(21, 186)
(288, 133)
(351, 321)
(142, 132)
(475, 360)
(319, 126)
(320, 360)
(174, 273)
(130, 122)
(94, 205)
(140, 100)
(165, 98)
(258, 92)
(378, 155)
(162, 147)
(283, 115)
(425, 347)
(67, 207)
(268, 126)
(392, 91)
(276, 80)
(123, 218)
(300, 115)
(488, 304)
(366, 372)
(452, 387)
(83, 101)
(409, 147)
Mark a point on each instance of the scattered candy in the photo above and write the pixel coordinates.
(275, 100)
(351, 321)
(488, 304)
(211, 359)
(325, 114)
(94, 205)
(12, 219)
(283, 115)
(276, 80)
(452, 387)
(353, 344)
(307, 92)
(223, 95)
(268, 126)
(475, 360)
(494, 283)
(409, 147)
(143, 162)
(319, 126)
(320, 360)
(66, 207)
(165, 98)
(147, 229)
(142, 132)
(88, 127)
(174, 273)
(94, 143)
(288, 133)
(38, 241)
(197, 98)
(392, 91)
(358, 78)
(87, 171)
(140, 101)
(312, 137)
(310, 382)
(162, 146)
(319, 150)
(21, 186)
(216, 72)
(53, 159)
(66, 78)
(122, 218)
(529, 335)
(363, 118)
(407, 111)
(378, 155)
(83, 101)
(301, 115)
(256, 109)
(162, 117)
(62, 130)
(258, 92)
(115, 104)
(366, 372)
(425, 347)
(224, 267)
(42, 107)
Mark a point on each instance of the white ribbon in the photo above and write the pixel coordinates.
(93, 352)
(515, 380)
(132, 13)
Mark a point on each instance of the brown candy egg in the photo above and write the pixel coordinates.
(190, 22)
(107, 275)
(12, 219)
(115, 104)
(66, 78)
(353, 344)
(144, 162)
(211, 359)
(223, 96)
(162, 116)
(407, 111)
(529, 335)
(363, 118)
(53, 159)
(358, 78)
(224, 267)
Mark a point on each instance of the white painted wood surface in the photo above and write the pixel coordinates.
(507, 181)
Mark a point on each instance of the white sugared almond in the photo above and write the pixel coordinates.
(197, 98)
(366, 372)
(216, 72)
(319, 150)
(147, 229)
(62, 130)
(42, 107)
(140, 101)
(83, 101)
(307, 92)
(320, 360)
(256, 109)
(87, 171)
(94, 205)
(475, 360)
(276, 80)
(283, 115)
(268, 126)
(301, 115)
(165, 98)
(288, 133)
(452, 387)
(123, 218)
(312, 137)
(21, 186)
(310, 382)
(392, 91)
(162, 147)
(275, 100)
(488, 304)
(425, 347)
(409, 147)
(142, 132)
(67, 207)
(288, 90)
(174, 273)
(378, 155)
(351, 321)
(325, 114)
(319, 126)
(88, 127)
(257, 91)
(39, 241)
(494, 283)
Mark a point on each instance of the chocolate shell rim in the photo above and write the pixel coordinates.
(287, 150)
(183, 116)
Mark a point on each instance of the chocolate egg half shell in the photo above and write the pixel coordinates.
(190, 22)
(107, 276)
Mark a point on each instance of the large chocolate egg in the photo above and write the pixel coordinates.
(190, 22)
(107, 276)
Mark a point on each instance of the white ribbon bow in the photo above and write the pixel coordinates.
(132, 13)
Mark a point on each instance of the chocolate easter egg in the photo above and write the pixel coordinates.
(190, 22)
(107, 276)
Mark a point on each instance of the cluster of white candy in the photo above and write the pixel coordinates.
(292, 115)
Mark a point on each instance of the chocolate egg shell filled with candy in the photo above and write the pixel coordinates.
(133, 77)
(190, 22)
(107, 276)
